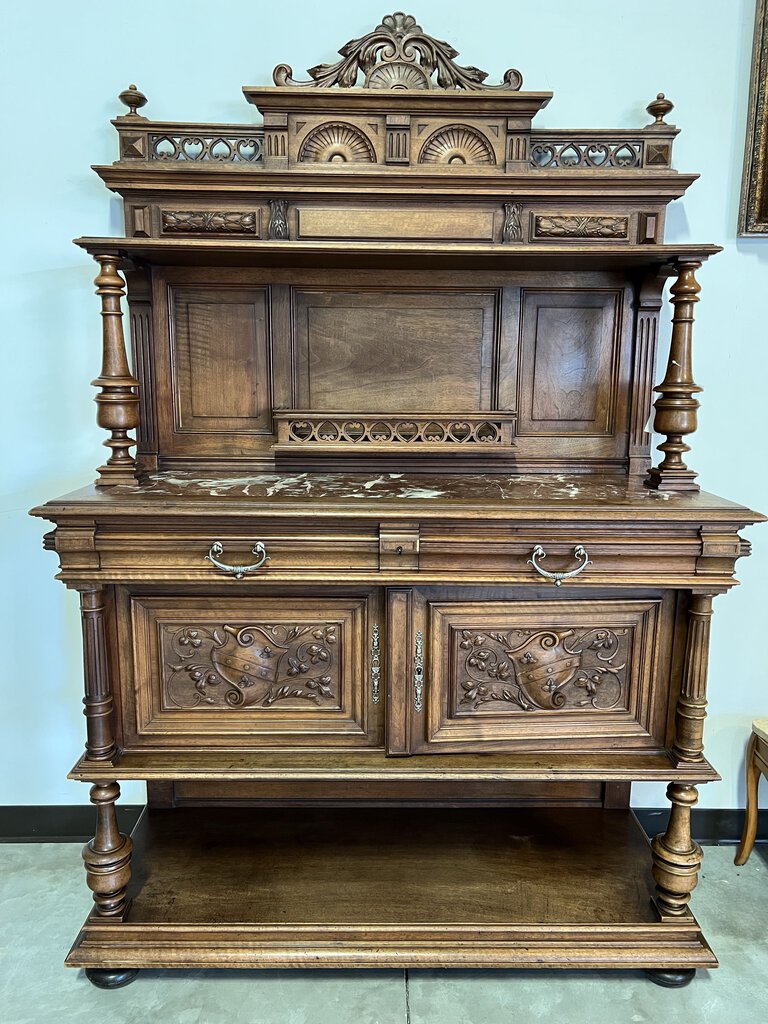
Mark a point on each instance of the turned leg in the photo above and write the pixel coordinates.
(105, 977)
(750, 821)
(108, 855)
(676, 857)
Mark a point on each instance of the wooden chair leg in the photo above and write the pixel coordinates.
(750, 820)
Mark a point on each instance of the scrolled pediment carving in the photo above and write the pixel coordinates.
(397, 54)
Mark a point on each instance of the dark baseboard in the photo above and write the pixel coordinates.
(58, 823)
(710, 826)
(74, 823)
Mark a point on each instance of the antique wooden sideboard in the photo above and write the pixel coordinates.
(389, 608)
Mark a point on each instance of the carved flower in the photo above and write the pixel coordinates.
(317, 653)
(189, 638)
(321, 684)
(474, 692)
(501, 671)
(470, 640)
(295, 667)
(326, 633)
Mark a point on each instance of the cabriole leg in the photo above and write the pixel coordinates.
(107, 856)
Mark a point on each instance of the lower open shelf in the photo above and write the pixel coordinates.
(362, 887)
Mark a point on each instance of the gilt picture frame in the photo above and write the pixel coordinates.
(753, 209)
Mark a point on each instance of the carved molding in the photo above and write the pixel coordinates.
(457, 144)
(512, 231)
(194, 147)
(580, 227)
(205, 222)
(278, 220)
(589, 153)
(245, 666)
(336, 142)
(315, 429)
(541, 670)
(397, 54)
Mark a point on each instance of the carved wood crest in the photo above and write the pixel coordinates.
(542, 670)
(397, 54)
(232, 666)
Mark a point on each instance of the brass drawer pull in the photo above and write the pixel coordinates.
(558, 577)
(217, 548)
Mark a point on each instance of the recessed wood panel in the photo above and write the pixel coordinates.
(359, 223)
(241, 671)
(220, 359)
(214, 396)
(569, 355)
(519, 673)
(367, 351)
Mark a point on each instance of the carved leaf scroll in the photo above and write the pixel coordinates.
(397, 54)
(231, 666)
(542, 670)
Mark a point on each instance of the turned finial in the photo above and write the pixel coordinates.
(659, 108)
(133, 98)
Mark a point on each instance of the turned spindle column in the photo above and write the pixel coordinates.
(107, 856)
(692, 703)
(118, 401)
(99, 707)
(676, 407)
(676, 857)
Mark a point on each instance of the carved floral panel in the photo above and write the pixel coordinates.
(540, 670)
(251, 665)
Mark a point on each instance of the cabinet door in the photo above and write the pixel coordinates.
(522, 670)
(249, 671)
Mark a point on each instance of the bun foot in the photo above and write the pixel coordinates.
(115, 977)
(672, 979)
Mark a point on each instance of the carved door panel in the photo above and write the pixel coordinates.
(250, 671)
(525, 672)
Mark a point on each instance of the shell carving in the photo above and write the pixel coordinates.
(457, 144)
(397, 76)
(336, 142)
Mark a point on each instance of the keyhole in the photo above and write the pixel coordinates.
(399, 549)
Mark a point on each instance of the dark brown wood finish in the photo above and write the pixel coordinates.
(389, 610)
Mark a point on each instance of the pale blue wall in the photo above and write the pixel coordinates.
(62, 67)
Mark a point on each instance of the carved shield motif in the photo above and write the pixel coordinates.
(247, 656)
(544, 666)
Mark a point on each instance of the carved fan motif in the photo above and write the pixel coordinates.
(457, 144)
(397, 76)
(337, 142)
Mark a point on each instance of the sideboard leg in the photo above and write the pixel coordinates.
(676, 857)
(108, 855)
(672, 978)
(114, 977)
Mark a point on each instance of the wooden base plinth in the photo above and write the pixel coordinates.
(368, 887)
(669, 480)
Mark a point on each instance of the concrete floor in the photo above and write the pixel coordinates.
(43, 901)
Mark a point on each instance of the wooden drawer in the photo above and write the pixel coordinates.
(528, 670)
(630, 552)
(242, 672)
(163, 554)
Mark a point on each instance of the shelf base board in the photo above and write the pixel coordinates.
(663, 946)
